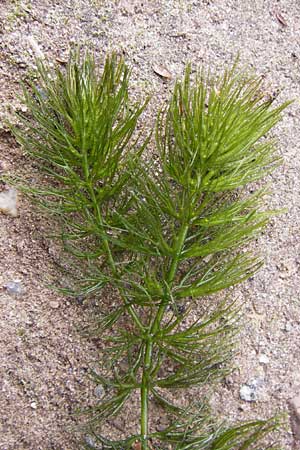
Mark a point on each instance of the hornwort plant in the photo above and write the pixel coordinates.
(163, 239)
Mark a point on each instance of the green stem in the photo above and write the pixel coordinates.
(170, 277)
(178, 249)
(115, 272)
(145, 393)
(146, 378)
(108, 250)
(144, 412)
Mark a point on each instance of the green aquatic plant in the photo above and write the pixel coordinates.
(164, 236)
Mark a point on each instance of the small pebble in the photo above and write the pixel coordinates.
(248, 394)
(54, 304)
(79, 299)
(90, 441)
(264, 359)
(99, 391)
(14, 287)
(288, 327)
(22, 64)
(249, 391)
(33, 405)
(8, 202)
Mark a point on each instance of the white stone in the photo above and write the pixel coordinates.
(264, 359)
(248, 393)
(8, 202)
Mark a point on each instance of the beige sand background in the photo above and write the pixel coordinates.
(43, 360)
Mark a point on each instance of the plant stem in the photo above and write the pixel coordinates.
(144, 411)
(178, 250)
(145, 393)
(170, 277)
(110, 257)
(146, 378)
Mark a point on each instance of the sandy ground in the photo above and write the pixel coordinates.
(44, 361)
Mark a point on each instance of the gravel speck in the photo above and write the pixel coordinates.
(287, 327)
(264, 359)
(14, 287)
(90, 441)
(99, 391)
(8, 202)
(249, 391)
(54, 305)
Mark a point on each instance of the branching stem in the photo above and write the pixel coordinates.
(147, 368)
(111, 261)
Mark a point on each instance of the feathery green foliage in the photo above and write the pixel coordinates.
(161, 241)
